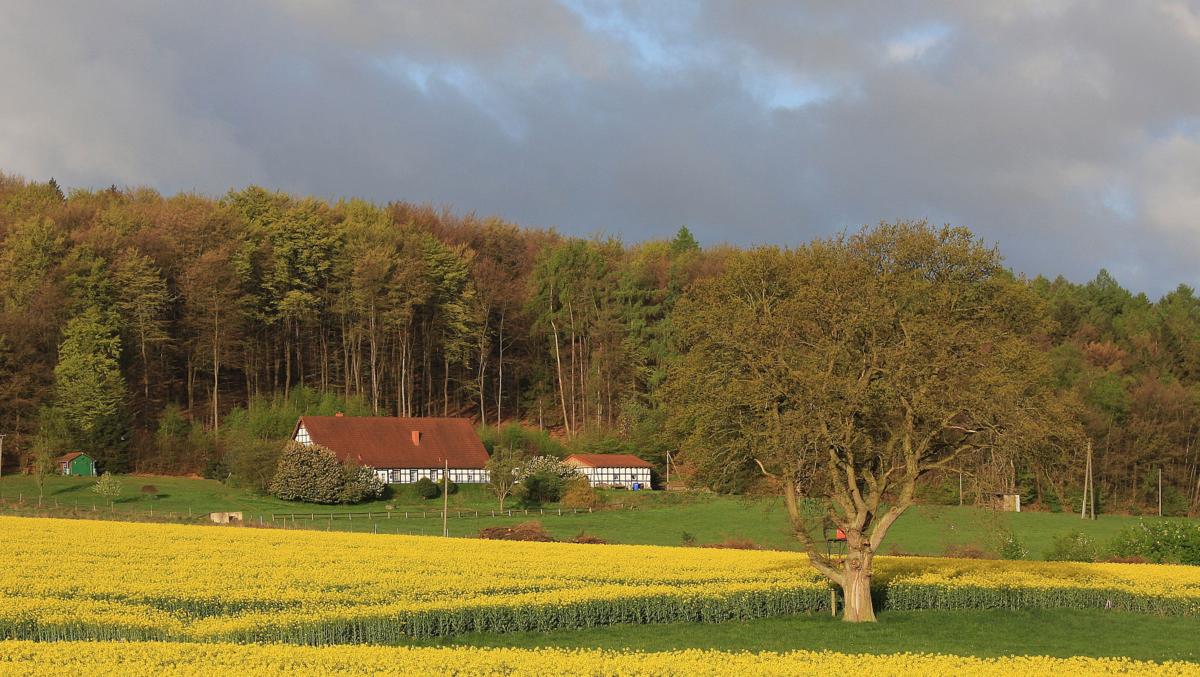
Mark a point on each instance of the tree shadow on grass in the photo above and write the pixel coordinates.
(79, 489)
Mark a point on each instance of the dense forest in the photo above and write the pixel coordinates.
(182, 334)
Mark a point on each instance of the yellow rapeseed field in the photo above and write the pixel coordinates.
(69, 580)
(922, 583)
(64, 579)
(164, 659)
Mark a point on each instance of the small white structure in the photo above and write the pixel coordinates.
(225, 517)
(612, 470)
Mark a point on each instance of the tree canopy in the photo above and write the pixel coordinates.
(220, 305)
(848, 369)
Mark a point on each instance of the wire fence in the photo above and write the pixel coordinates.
(453, 514)
(98, 509)
(306, 520)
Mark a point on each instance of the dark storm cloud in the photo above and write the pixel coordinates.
(1068, 132)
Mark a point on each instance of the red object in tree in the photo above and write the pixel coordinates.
(840, 535)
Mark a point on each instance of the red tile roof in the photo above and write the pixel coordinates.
(608, 461)
(388, 442)
(67, 458)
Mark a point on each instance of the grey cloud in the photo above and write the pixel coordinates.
(1066, 132)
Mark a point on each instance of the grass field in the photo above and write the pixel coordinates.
(661, 518)
(1058, 632)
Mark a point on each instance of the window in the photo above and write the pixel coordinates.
(302, 436)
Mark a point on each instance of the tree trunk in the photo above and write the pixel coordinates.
(287, 359)
(403, 395)
(191, 385)
(562, 395)
(345, 358)
(325, 369)
(571, 315)
(373, 342)
(856, 589)
(500, 372)
(216, 372)
(145, 379)
(248, 372)
(445, 385)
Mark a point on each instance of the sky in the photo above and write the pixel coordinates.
(1067, 133)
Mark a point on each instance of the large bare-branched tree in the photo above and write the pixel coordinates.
(845, 370)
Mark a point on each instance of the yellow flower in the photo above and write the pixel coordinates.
(95, 580)
(170, 659)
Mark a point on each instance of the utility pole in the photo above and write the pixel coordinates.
(445, 497)
(1, 454)
(668, 470)
(1089, 489)
(1091, 481)
(960, 492)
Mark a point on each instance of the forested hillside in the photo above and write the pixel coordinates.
(161, 332)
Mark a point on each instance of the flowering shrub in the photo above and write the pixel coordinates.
(308, 472)
(312, 473)
(547, 465)
(1165, 541)
(1073, 547)
(1009, 546)
(361, 484)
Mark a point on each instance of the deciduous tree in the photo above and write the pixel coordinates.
(845, 370)
(88, 383)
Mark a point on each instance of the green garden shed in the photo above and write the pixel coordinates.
(77, 463)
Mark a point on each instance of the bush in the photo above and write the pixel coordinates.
(1160, 541)
(1073, 547)
(581, 494)
(547, 465)
(313, 474)
(215, 468)
(251, 462)
(539, 488)
(150, 490)
(308, 472)
(361, 484)
(1009, 546)
(449, 486)
(427, 488)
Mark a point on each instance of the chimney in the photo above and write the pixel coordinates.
(338, 415)
(416, 438)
